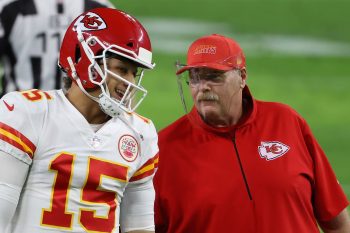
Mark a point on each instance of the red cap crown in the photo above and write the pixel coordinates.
(215, 52)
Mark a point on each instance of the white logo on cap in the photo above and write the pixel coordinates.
(208, 49)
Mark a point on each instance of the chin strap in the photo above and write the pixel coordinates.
(108, 106)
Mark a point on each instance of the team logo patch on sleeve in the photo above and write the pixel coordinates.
(128, 147)
(272, 150)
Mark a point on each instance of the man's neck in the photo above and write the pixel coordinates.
(227, 119)
(86, 106)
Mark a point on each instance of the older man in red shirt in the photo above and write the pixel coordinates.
(237, 164)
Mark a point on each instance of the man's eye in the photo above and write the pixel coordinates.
(123, 70)
(215, 77)
(211, 76)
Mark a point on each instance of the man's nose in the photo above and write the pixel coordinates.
(129, 76)
(203, 84)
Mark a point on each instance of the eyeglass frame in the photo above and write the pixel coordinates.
(214, 77)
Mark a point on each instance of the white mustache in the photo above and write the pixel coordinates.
(207, 96)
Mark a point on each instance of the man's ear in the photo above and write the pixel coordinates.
(244, 77)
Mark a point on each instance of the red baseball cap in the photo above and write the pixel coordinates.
(216, 52)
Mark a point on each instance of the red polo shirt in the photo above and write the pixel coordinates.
(267, 174)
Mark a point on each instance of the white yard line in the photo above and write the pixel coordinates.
(173, 36)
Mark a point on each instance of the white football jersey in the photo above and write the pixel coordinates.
(31, 32)
(77, 178)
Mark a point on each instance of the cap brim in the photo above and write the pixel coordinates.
(214, 66)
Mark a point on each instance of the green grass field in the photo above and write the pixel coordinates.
(298, 52)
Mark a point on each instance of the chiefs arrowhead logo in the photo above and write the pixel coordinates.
(90, 21)
(272, 150)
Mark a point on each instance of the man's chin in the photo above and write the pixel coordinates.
(209, 113)
(208, 107)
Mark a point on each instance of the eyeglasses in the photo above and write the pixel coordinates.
(211, 77)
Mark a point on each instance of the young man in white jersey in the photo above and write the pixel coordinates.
(30, 35)
(82, 160)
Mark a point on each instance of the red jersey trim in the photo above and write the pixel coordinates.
(147, 169)
(16, 139)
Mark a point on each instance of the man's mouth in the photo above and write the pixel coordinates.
(207, 100)
(119, 94)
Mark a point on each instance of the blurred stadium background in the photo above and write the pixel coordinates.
(298, 53)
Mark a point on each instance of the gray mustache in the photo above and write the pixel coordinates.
(207, 96)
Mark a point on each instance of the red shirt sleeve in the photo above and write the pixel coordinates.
(329, 198)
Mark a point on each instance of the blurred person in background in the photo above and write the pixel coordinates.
(237, 164)
(82, 160)
(30, 35)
